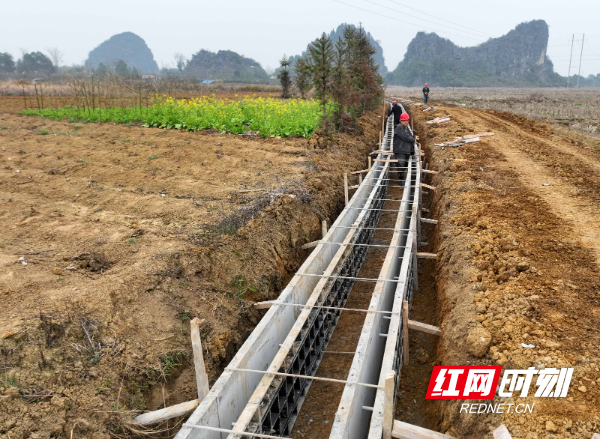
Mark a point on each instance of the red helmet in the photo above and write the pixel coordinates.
(393, 102)
(404, 116)
(425, 84)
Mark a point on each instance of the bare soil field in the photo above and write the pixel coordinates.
(114, 237)
(575, 109)
(518, 245)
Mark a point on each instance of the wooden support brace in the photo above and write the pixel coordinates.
(359, 172)
(404, 430)
(379, 151)
(310, 245)
(424, 327)
(430, 221)
(428, 171)
(346, 188)
(502, 433)
(422, 255)
(324, 228)
(388, 405)
(369, 159)
(405, 343)
(354, 187)
(166, 413)
(385, 160)
(427, 186)
(201, 376)
(264, 305)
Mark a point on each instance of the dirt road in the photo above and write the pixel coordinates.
(518, 256)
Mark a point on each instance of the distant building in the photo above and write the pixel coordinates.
(208, 81)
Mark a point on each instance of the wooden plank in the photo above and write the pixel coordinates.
(424, 327)
(264, 305)
(379, 151)
(201, 376)
(427, 171)
(430, 221)
(166, 413)
(388, 408)
(422, 255)
(346, 188)
(311, 245)
(359, 172)
(404, 430)
(502, 433)
(405, 343)
(385, 160)
(427, 186)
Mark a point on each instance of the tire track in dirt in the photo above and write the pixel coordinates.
(583, 216)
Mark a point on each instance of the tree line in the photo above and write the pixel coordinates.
(342, 72)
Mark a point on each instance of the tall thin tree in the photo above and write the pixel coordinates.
(284, 77)
(321, 53)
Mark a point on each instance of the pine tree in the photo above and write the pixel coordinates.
(321, 54)
(284, 77)
(340, 91)
(302, 79)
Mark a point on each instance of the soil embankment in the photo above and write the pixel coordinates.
(518, 245)
(114, 237)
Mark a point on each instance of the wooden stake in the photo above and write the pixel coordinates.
(370, 160)
(324, 228)
(424, 327)
(380, 139)
(166, 413)
(404, 430)
(405, 332)
(388, 406)
(201, 376)
(359, 179)
(503, 433)
(346, 188)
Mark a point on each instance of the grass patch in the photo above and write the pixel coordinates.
(153, 157)
(43, 132)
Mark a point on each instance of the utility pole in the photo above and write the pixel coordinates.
(580, 59)
(570, 61)
(456, 58)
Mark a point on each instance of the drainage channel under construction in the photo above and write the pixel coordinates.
(318, 410)
(325, 360)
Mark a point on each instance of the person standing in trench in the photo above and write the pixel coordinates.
(404, 146)
(425, 94)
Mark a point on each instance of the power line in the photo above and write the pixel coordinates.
(401, 21)
(441, 19)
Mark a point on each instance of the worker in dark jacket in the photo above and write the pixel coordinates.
(397, 110)
(404, 146)
(425, 94)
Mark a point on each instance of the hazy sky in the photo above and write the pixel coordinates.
(266, 29)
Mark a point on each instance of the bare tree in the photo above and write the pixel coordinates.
(179, 61)
(55, 55)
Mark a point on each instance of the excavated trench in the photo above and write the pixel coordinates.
(323, 398)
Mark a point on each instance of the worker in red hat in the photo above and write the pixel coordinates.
(404, 146)
(397, 110)
(425, 94)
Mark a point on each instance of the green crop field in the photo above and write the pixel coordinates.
(267, 117)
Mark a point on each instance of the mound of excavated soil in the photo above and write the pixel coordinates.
(518, 259)
(114, 237)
